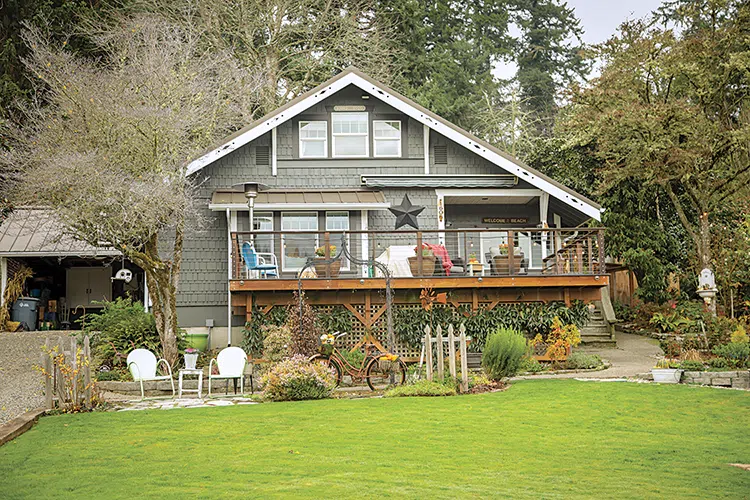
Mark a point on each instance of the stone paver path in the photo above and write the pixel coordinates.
(633, 355)
(172, 404)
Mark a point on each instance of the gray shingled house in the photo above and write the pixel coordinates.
(321, 172)
(325, 168)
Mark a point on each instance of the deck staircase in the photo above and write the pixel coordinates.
(600, 330)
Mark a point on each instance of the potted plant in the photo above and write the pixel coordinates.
(327, 269)
(428, 262)
(664, 373)
(326, 344)
(473, 258)
(503, 249)
(191, 357)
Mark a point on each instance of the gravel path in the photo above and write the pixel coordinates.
(633, 355)
(20, 384)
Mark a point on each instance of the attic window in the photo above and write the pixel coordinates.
(441, 154)
(262, 155)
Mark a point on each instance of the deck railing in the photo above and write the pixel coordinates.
(471, 252)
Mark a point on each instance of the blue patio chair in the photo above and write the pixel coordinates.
(255, 261)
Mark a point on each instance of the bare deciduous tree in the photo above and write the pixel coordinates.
(108, 151)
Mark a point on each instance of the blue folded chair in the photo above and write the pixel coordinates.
(255, 261)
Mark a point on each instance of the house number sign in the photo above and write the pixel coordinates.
(505, 220)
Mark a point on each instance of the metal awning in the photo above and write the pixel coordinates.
(301, 200)
(440, 180)
(31, 232)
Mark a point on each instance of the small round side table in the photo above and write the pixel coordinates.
(192, 372)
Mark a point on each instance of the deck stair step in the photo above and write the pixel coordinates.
(597, 331)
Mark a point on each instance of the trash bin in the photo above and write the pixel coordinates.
(25, 311)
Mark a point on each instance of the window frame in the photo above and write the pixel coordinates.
(284, 268)
(366, 135)
(257, 232)
(375, 139)
(324, 139)
(345, 264)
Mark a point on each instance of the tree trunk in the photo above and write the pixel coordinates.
(162, 278)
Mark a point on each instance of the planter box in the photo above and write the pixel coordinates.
(428, 266)
(331, 270)
(666, 375)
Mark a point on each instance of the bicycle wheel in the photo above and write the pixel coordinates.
(383, 373)
(324, 360)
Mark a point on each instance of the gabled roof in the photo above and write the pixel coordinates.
(352, 76)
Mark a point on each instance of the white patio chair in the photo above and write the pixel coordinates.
(142, 364)
(231, 363)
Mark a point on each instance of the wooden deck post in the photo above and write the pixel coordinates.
(579, 258)
(600, 245)
(451, 351)
(511, 252)
(464, 361)
(419, 253)
(439, 352)
(248, 307)
(327, 252)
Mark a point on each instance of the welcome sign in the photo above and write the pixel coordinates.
(505, 220)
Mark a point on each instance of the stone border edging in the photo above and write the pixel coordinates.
(14, 428)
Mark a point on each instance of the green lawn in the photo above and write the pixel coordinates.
(539, 439)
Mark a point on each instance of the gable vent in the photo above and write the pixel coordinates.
(441, 154)
(262, 155)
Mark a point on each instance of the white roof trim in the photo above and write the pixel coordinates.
(409, 110)
(299, 206)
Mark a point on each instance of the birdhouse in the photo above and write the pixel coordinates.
(706, 280)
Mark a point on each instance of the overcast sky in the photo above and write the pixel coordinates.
(599, 19)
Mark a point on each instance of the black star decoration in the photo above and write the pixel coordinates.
(406, 213)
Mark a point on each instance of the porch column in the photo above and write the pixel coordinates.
(364, 224)
(441, 217)
(543, 208)
(3, 279)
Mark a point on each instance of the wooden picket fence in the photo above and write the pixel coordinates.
(66, 370)
(438, 357)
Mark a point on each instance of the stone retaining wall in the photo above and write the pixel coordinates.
(736, 379)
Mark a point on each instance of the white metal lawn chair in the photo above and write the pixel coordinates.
(231, 363)
(142, 364)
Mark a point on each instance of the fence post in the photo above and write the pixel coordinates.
(74, 362)
(440, 361)
(428, 352)
(87, 369)
(464, 362)
(48, 370)
(451, 351)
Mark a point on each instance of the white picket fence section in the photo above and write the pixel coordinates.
(438, 357)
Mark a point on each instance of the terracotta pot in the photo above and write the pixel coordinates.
(327, 270)
(428, 266)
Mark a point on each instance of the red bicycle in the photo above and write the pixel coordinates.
(379, 367)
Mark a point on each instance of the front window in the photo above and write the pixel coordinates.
(313, 139)
(298, 247)
(387, 137)
(350, 135)
(263, 221)
(338, 222)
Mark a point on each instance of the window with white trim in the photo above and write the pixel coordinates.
(313, 139)
(298, 247)
(386, 136)
(263, 221)
(337, 222)
(350, 135)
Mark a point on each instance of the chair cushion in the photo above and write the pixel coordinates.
(494, 251)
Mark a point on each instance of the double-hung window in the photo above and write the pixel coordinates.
(386, 135)
(298, 247)
(263, 221)
(350, 135)
(338, 222)
(313, 139)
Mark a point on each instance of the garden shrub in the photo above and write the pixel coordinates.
(339, 319)
(276, 340)
(121, 326)
(692, 366)
(114, 375)
(671, 347)
(422, 388)
(503, 353)
(736, 354)
(718, 363)
(252, 333)
(296, 378)
(583, 361)
(531, 365)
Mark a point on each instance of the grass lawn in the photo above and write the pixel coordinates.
(539, 439)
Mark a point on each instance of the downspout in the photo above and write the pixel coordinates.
(229, 279)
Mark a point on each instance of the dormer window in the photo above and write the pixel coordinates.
(313, 139)
(350, 135)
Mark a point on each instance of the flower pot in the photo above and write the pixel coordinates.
(667, 375)
(331, 270)
(190, 360)
(197, 340)
(428, 266)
